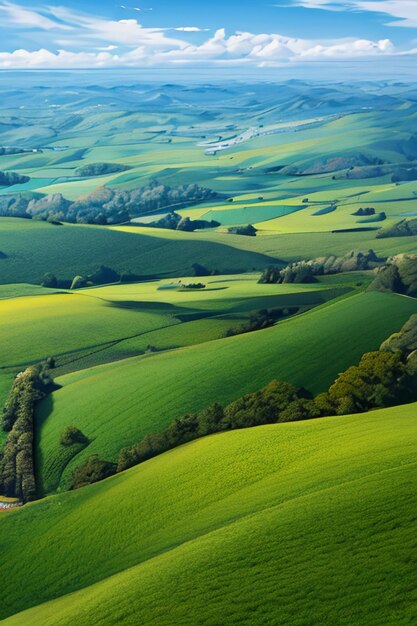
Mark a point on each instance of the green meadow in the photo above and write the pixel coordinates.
(167, 385)
(300, 523)
(34, 248)
(285, 518)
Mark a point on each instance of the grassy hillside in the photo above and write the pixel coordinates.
(290, 246)
(116, 405)
(92, 326)
(299, 523)
(35, 248)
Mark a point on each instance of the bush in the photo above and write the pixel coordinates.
(98, 169)
(72, 435)
(248, 231)
(93, 470)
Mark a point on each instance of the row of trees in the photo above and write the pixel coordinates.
(381, 379)
(306, 271)
(261, 319)
(104, 205)
(17, 474)
(102, 276)
(173, 221)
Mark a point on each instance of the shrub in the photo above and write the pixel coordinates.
(72, 435)
(91, 471)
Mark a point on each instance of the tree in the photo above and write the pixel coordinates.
(91, 471)
(72, 435)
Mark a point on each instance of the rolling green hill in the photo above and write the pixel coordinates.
(92, 326)
(34, 248)
(299, 523)
(295, 524)
(116, 405)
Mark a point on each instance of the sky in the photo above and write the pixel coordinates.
(323, 38)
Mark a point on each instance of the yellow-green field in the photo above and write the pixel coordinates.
(265, 525)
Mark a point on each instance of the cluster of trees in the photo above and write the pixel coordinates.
(403, 228)
(7, 179)
(194, 286)
(99, 169)
(306, 271)
(248, 230)
(91, 471)
(364, 212)
(173, 221)
(102, 276)
(17, 474)
(398, 275)
(261, 319)
(104, 206)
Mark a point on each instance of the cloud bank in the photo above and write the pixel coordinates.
(81, 40)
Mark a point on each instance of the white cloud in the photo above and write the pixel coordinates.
(44, 59)
(129, 32)
(23, 17)
(108, 48)
(240, 48)
(190, 29)
(99, 42)
(275, 47)
(404, 11)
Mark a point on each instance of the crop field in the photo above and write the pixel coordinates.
(327, 502)
(308, 350)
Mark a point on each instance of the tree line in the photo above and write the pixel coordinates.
(17, 473)
(306, 271)
(104, 205)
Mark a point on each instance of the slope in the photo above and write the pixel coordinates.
(299, 523)
(34, 248)
(118, 404)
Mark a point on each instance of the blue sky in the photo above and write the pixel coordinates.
(296, 37)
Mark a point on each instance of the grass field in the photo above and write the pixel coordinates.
(294, 245)
(297, 524)
(35, 248)
(261, 526)
(92, 326)
(117, 404)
